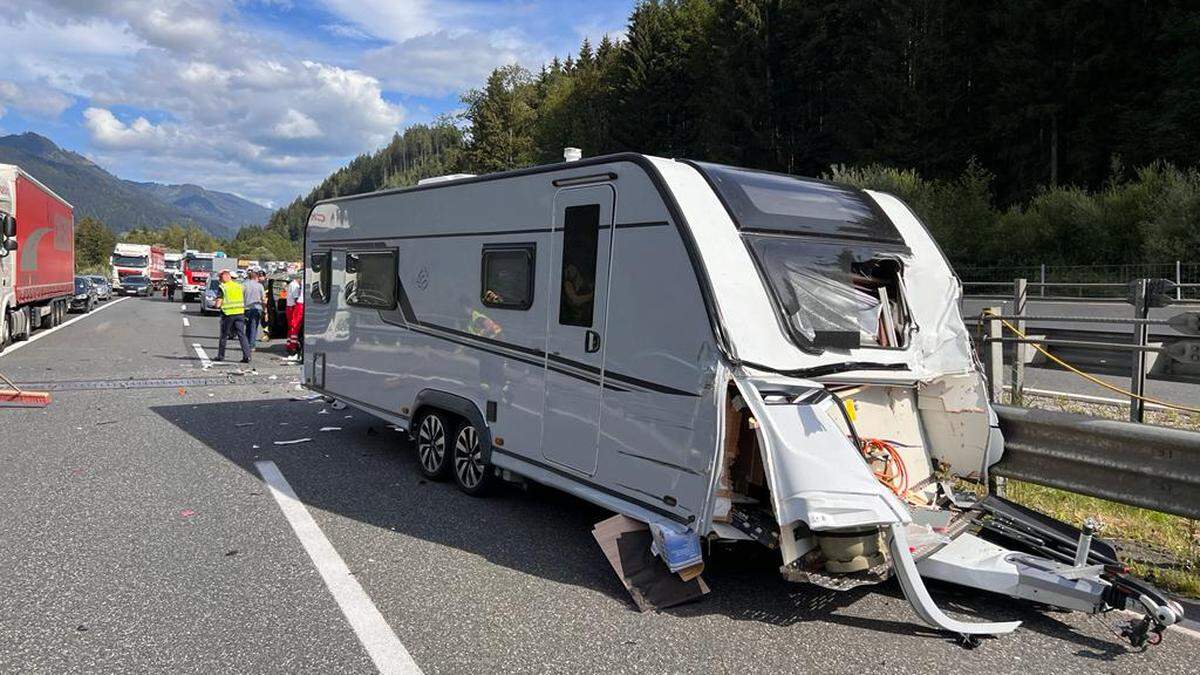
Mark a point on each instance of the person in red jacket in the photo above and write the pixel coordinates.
(295, 315)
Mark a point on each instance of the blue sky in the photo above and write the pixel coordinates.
(262, 98)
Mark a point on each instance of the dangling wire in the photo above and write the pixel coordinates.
(894, 474)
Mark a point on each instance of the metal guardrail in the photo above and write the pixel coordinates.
(1152, 467)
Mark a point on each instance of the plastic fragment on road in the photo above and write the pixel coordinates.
(330, 429)
(244, 424)
(678, 549)
(323, 411)
(253, 447)
(293, 441)
(626, 545)
(337, 405)
(187, 513)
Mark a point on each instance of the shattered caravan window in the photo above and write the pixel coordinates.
(834, 295)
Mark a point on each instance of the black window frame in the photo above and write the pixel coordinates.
(395, 255)
(530, 251)
(324, 276)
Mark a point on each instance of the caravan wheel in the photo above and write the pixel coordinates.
(471, 472)
(431, 437)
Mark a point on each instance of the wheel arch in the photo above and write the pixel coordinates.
(463, 407)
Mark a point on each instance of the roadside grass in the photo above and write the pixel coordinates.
(1158, 547)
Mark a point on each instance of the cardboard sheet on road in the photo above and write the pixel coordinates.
(626, 544)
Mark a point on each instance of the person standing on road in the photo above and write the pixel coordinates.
(172, 284)
(231, 302)
(254, 295)
(295, 314)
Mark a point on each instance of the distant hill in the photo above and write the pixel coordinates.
(124, 204)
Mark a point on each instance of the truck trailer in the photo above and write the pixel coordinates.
(37, 267)
(722, 353)
(143, 260)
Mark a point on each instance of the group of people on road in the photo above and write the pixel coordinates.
(243, 309)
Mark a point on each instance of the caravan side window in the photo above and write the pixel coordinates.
(321, 264)
(581, 238)
(371, 279)
(507, 276)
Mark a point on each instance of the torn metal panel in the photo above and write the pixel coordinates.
(815, 473)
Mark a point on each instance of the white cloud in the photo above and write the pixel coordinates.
(208, 91)
(233, 107)
(443, 62)
(395, 20)
(296, 124)
(32, 97)
(111, 133)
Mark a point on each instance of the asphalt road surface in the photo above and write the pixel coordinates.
(137, 533)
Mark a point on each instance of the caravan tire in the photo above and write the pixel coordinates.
(472, 472)
(432, 438)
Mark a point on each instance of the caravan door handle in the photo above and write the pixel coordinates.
(591, 342)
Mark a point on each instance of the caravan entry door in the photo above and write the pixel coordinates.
(580, 258)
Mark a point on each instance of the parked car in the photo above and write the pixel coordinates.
(84, 299)
(135, 284)
(104, 291)
(208, 301)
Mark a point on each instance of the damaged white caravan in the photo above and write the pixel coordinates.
(731, 353)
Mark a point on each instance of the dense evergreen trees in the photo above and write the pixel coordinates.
(1030, 131)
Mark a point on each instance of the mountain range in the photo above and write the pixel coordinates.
(124, 204)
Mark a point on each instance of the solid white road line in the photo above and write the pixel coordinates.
(43, 333)
(205, 362)
(186, 323)
(373, 631)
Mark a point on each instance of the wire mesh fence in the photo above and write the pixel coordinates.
(1081, 281)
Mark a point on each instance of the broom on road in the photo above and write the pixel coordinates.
(16, 397)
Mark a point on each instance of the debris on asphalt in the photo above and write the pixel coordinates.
(293, 441)
(187, 513)
(182, 391)
(244, 424)
(337, 405)
(348, 417)
(253, 447)
(231, 552)
(273, 377)
(626, 544)
(103, 422)
(330, 429)
(310, 397)
(323, 411)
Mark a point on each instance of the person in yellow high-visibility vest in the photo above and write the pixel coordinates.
(231, 301)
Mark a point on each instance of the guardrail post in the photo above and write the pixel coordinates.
(1018, 363)
(1043, 281)
(1178, 280)
(993, 363)
(1141, 334)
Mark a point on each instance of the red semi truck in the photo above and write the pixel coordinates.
(37, 270)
